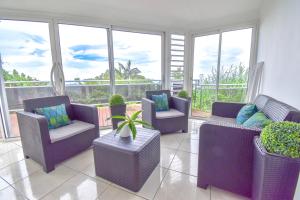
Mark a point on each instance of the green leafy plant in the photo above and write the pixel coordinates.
(116, 99)
(131, 122)
(183, 94)
(282, 138)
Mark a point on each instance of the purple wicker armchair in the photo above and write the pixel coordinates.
(226, 148)
(48, 147)
(166, 121)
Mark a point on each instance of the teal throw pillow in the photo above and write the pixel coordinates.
(245, 113)
(258, 120)
(56, 115)
(161, 102)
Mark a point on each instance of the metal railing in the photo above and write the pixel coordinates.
(80, 91)
(203, 95)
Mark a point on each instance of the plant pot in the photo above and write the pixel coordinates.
(275, 177)
(117, 110)
(125, 132)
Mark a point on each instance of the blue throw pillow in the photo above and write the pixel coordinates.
(56, 115)
(245, 113)
(161, 102)
(258, 120)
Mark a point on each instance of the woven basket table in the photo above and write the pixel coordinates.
(127, 162)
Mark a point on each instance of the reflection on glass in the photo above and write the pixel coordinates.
(86, 68)
(205, 74)
(137, 63)
(235, 57)
(26, 57)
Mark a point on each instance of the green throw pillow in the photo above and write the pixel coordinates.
(161, 102)
(258, 120)
(245, 113)
(56, 115)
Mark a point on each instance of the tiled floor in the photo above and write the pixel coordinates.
(175, 177)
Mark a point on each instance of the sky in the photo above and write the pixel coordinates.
(25, 46)
(235, 49)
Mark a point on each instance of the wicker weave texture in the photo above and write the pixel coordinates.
(127, 162)
(274, 177)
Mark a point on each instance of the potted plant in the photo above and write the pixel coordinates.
(128, 124)
(183, 94)
(117, 107)
(276, 161)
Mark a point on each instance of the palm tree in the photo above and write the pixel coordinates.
(128, 72)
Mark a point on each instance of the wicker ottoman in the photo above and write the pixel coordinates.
(125, 161)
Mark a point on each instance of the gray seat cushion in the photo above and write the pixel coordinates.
(227, 122)
(68, 131)
(169, 114)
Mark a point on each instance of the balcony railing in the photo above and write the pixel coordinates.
(203, 95)
(95, 92)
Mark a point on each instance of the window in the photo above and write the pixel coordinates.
(26, 62)
(85, 63)
(177, 63)
(220, 70)
(137, 62)
(235, 58)
(204, 75)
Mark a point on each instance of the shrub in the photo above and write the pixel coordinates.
(282, 138)
(183, 94)
(116, 100)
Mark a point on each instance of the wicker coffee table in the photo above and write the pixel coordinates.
(125, 161)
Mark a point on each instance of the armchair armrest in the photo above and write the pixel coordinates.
(226, 156)
(33, 127)
(148, 108)
(225, 109)
(180, 104)
(86, 113)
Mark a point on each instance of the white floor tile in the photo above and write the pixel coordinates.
(178, 186)
(3, 184)
(80, 161)
(16, 171)
(171, 140)
(11, 157)
(79, 187)
(189, 145)
(185, 162)
(10, 193)
(166, 156)
(219, 194)
(114, 193)
(40, 183)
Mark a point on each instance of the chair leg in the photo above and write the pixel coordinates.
(48, 169)
(202, 185)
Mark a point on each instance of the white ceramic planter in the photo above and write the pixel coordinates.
(125, 131)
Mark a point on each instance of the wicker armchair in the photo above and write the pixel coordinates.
(166, 121)
(49, 147)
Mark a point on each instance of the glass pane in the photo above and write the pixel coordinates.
(1, 125)
(137, 63)
(205, 74)
(26, 57)
(85, 62)
(235, 57)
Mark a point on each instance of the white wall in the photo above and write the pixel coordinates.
(279, 48)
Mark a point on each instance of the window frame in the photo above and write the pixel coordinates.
(220, 31)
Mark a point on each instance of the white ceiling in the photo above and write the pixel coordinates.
(171, 14)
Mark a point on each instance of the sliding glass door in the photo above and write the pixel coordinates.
(205, 74)
(220, 72)
(26, 64)
(85, 63)
(234, 66)
(137, 63)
